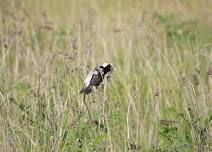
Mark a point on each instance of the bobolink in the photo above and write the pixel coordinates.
(95, 77)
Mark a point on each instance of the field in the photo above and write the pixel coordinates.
(158, 98)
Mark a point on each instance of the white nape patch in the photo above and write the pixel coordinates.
(105, 64)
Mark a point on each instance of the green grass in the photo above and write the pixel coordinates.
(158, 99)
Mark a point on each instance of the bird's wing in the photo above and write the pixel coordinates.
(96, 80)
(90, 77)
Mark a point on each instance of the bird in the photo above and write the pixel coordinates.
(95, 77)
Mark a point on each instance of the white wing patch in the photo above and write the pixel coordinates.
(89, 77)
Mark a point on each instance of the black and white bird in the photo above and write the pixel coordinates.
(95, 77)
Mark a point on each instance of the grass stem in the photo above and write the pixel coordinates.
(89, 113)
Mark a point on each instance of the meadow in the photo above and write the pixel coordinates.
(158, 98)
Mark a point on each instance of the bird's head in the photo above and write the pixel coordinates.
(107, 67)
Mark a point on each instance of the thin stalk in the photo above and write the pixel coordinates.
(89, 114)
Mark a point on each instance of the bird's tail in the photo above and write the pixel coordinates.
(85, 90)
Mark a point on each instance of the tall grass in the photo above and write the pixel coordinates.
(159, 97)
